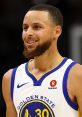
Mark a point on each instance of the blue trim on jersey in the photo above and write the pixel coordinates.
(65, 92)
(12, 81)
(38, 82)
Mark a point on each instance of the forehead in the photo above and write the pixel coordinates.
(37, 16)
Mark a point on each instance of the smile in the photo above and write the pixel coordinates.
(30, 44)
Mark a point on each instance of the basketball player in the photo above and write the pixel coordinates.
(48, 85)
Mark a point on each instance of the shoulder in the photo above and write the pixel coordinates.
(75, 78)
(76, 71)
(6, 82)
(7, 77)
(6, 87)
(10, 109)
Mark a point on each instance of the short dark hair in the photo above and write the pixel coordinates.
(54, 12)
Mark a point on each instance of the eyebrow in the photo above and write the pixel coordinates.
(35, 23)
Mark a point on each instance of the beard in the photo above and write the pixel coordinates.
(38, 51)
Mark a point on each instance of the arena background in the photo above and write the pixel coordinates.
(11, 47)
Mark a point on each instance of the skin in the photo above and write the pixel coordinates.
(38, 29)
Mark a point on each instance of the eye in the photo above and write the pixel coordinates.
(37, 27)
(25, 27)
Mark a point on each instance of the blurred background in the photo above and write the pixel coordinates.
(11, 47)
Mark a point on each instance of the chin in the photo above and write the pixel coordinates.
(28, 55)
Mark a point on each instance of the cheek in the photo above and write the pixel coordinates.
(45, 36)
(23, 35)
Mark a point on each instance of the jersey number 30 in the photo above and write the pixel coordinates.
(39, 113)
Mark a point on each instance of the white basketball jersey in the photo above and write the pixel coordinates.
(47, 97)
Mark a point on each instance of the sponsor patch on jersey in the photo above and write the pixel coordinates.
(36, 108)
(53, 84)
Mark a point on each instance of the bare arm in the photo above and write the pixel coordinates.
(76, 85)
(10, 109)
(78, 89)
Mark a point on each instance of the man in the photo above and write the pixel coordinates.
(49, 85)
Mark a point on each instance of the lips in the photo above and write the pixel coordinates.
(30, 42)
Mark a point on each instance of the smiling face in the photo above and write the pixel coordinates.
(37, 33)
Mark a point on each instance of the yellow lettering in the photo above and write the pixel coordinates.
(38, 111)
(26, 113)
(45, 111)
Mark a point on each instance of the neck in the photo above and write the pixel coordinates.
(50, 59)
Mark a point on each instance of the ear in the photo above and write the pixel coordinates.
(57, 31)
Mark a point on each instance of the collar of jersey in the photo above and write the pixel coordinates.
(38, 82)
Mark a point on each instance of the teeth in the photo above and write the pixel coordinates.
(30, 41)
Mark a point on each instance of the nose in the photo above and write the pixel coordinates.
(29, 32)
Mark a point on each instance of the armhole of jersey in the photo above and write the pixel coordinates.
(65, 92)
(12, 81)
(79, 115)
